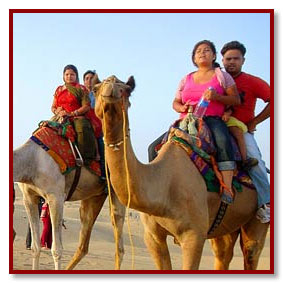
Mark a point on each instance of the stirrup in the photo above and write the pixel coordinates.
(78, 157)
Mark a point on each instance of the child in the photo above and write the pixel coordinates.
(237, 129)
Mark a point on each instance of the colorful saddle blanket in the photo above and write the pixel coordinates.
(52, 137)
(203, 160)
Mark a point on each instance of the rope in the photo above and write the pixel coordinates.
(128, 184)
(128, 188)
(220, 178)
(110, 200)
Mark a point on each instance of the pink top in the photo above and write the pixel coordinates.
(189, 91)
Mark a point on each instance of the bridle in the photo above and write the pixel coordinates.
(116, 146)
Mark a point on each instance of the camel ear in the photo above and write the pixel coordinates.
(131, 83)
(95, 81)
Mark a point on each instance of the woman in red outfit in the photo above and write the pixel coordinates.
(71, 101)
(46, 236)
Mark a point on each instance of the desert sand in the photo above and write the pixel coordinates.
(101, 250)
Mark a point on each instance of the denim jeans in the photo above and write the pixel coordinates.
(225, 154)
(258, 173)
(100, 144)
(151, 148)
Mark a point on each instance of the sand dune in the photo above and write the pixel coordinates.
(101, 251)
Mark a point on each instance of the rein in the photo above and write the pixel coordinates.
(115, 147)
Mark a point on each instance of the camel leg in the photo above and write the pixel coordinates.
(31, 204)
(89, 211)
(158, 249)
(118, 223)
(192, 245)
(223, 248)
(252, 241)
(56, 206)
(155, 241)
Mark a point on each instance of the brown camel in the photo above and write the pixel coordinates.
(170, 192)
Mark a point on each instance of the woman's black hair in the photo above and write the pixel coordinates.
(211, 45)
(74, 68)
(89, 72)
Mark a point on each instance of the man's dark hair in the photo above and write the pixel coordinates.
(88, 72)
(234, 45)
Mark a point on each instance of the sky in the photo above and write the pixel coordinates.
(153, 47)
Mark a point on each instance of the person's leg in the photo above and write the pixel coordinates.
(151, 149)
(100, 144)
(225, 156)
(97, 155)
(44, 232)
(247, 162)
(239, 136)
(258, 173)
(49, 234)
(85, 139)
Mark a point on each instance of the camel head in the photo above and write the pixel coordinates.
(112, 94)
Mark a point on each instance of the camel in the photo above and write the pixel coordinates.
(170, 193)
(39, 175)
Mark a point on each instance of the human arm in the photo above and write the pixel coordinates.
(227, 114)
(231, 98)
(261, 90)
(263, 115)
(82, 99)
(179, 107)
(59, 111)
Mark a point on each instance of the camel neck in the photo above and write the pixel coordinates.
(127, 174)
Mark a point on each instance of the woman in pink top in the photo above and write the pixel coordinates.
(191, 89)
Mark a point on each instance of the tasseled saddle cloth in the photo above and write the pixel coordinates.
(200, 147)
(53, 138)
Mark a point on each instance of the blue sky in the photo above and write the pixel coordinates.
(154, 48)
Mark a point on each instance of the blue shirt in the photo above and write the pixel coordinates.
(92, 99)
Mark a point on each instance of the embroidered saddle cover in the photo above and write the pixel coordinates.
(200, 147)
(53, 138)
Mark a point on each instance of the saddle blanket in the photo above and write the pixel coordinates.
(202, 161)
(59, 149)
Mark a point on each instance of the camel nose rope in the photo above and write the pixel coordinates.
(110, 200)
(128, 181)
(128, 186)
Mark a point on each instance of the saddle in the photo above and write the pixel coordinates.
(59, 140)
(195, 138)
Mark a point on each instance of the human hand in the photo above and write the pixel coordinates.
(251, 126)
(61, 113)
(184, 107)
(210, 94)
(226, 116)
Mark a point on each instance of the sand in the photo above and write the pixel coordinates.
(101, 250)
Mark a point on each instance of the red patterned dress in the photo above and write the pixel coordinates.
(73, 96)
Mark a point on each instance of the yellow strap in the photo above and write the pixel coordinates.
(110, 200)
(128, 188)
(128, 185)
